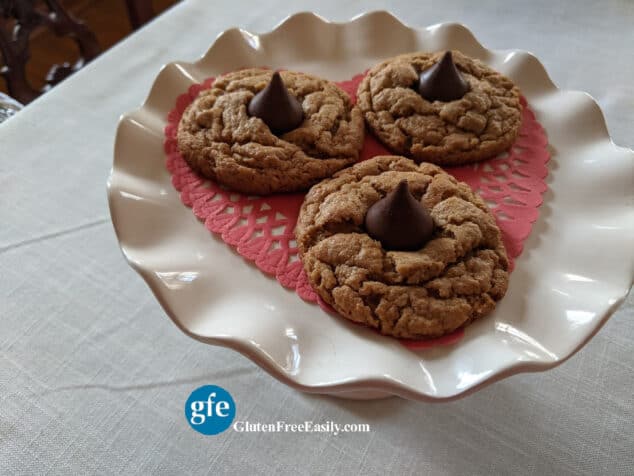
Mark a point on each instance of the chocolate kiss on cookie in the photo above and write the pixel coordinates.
(277, 107)
(443, 81)
(399, 221)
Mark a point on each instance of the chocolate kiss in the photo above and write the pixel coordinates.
(277, 107)
(399, 221)
(442, 81)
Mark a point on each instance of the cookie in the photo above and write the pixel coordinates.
(482, 123)
(221, 141)
(457, 276)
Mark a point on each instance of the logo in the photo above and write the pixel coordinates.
(210, 410)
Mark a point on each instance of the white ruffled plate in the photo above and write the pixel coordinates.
(577, 265)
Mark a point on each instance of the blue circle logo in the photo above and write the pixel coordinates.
(210, 410)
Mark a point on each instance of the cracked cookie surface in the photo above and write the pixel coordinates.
(456, 277)
(220, 141)
(480, 125)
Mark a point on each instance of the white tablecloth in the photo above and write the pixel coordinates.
(94, 376)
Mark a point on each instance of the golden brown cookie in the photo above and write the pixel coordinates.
(456, 277)
(481, 124)
(220, 141)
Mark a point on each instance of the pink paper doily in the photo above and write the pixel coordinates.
(261, 229)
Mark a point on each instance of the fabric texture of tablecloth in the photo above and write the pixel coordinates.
(94, 376)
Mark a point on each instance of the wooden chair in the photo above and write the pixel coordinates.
(139, 11)
(14, 45)
(18, 20)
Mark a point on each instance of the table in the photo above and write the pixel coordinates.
(94, 376)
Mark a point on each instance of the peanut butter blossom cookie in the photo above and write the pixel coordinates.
(402, 247)
(444, 108)
(260, 132)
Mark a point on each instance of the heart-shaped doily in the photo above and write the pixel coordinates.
(261, 229)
